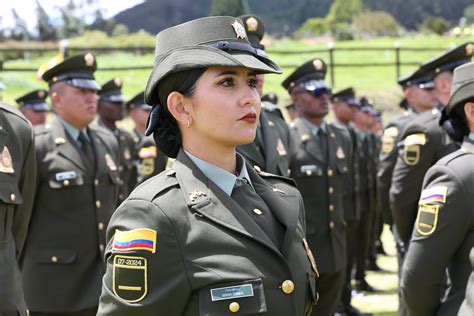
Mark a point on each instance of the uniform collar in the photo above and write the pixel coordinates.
(471, 136)
(313, 128)
(222, 178)
(71, 130)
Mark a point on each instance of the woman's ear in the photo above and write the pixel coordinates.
(469, 111)
(177, 106)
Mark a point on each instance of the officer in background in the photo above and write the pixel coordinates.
(418, 98)
(33, 106)
(443, 235)
(363, 120)
(76, 194)
(345, 105)
(270, 150)
(17, 184)
(319, 165)
(149, 160)
(423, 142)
(111, 109)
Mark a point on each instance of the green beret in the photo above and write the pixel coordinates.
(206, 42)
(462, 89)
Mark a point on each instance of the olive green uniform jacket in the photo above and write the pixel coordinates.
(205, 241)
(17, 183)
(443, 236)
(149, 160)
(271, 152)
(320, 178)
(63, 260)
(387, 159)
(422, 144)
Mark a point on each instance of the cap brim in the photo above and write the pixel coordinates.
(460, 96)
(38, 107)
(193, 57)
(83, 84)
(115, 98)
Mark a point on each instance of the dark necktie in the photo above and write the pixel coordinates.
(87, 150)
(323, 142)
(256, 207)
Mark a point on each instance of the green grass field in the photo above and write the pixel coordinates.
(376, 82)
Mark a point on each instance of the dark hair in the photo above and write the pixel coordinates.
(165, 128)
(456, 124)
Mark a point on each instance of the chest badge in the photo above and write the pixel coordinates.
(340, 153)
(281, 148)
(110, 162)
(193, 196)
(6, 164)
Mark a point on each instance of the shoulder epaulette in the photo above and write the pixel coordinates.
(42, 129)
(267, 175)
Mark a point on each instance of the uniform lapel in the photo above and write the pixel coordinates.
(205, 198)
(332, 145)
(308, 142)
(285, 207)
(66, 146)
(252, 154)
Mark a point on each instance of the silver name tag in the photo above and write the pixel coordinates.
(231, 292)
(67, 175)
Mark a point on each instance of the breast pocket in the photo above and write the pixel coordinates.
(10, 197)
(312, 293)
(60, 179)
(241, 298)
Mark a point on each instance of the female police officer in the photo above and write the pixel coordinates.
(212, 236)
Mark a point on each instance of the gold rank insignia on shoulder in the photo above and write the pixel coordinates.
(411, 149)
(281, 148)
(130, 278)
(6, 163)
(110, 162)
(340, 153)
(193, 196)
(239, 29)
(427, 219)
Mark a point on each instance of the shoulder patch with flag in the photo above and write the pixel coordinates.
(434, 195)
(136, 239)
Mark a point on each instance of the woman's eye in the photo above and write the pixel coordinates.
(227, 82)
(252, 83)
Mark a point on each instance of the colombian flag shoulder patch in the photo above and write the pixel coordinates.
(136, 239)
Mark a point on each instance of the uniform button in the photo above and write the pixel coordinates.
(309, 172)
(120, 181)
(54, 259)
(331, 190)
(66, 183)
(331, 224)
(121, 196)
(287, 286)
(101, 247)
(344, 168)
(96, 182)
(12, 197)
(97, 204)
(331, 208)
(101, 226)
(257, 211)
(120, 168)
(330, 172)
(257, 168)
(234, 307)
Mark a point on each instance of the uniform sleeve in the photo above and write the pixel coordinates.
(145, 272)
(412, 163)
(27, 185)
(440, 228)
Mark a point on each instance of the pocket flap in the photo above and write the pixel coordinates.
(65, 179)
(56, 256)
(10, 193)
(245, 297)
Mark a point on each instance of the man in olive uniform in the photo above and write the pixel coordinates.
(149, 160)
(17, 184)
(76, 194)
(443, 234)
(33, 106)
(111, 108)
(319, 166)
(345, 105)
(365, 191)
(269, 151)
(423, 142)
(418, 98)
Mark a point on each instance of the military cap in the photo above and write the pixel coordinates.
(449, 60)
(138, 102)
(254, 28)
(270, 97)
(462, 88)
(309, 76)
(367, 106)
(417, 78)
(201, 43)
(77, 71)
(34, 100)
(111, 91)
(346, 95)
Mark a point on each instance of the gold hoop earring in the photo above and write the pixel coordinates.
(188, 124)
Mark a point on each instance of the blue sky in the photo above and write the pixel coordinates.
(26, 9)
